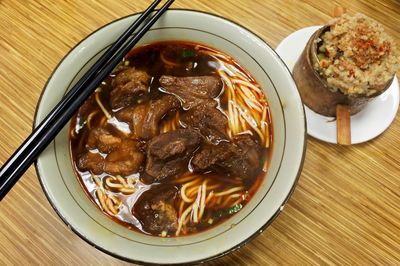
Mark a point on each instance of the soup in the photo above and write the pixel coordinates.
(176, 140)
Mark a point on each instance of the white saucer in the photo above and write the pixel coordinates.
(375, 118)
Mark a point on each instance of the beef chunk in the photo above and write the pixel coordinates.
(103, 140)
(211, 156)
(156, 111)
(127, 85)
(144, 119)
(251, 151)
(168, 154)
(125, 160)
(126, 114)
(208, 119)
(155, 210)
(92, 162)
(192, 90)
(134, 116)
(240, 159)
(138, 118)
(87, 107)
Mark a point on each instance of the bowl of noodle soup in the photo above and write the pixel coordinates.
(188, 150)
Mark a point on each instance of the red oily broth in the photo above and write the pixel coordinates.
(175, 141)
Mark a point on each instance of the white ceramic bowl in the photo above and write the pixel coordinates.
(85, 219)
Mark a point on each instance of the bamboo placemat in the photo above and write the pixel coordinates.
(345, 209)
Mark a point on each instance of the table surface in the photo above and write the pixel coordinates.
(345, 209)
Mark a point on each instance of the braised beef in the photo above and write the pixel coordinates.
(87, 107)
(92, 162)
(155, 210)
(251, 151)
(192, 90)
(103, 140)
(209, 156)
(144, 119)
(208, 119)
(127, 85)
(240, 159)
(156, 111)
(134, 116)
(125, 160)
(168, 154)
(126, 114)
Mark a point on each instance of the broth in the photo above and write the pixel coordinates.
(176, 140)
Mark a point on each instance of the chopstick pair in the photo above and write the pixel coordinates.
(51, 125)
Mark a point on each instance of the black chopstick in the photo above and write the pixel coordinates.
(51, 125)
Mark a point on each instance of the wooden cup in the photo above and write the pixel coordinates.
(315, 91)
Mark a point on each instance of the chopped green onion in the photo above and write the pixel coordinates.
(235, 208)
(188, 53)
(228, 211)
